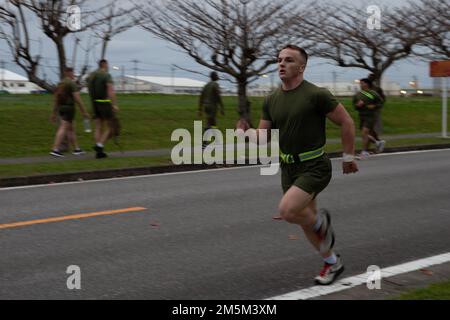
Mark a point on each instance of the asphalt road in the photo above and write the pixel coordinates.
(210, 235)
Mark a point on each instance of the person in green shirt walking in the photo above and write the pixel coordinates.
(103, 97)
(66, 95)
(368, 103)
(299, 109)
(378, 128)
(210, 102)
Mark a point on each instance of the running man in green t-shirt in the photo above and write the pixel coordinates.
(66, 95)
(378, 128)
(368, 103)
(103, 97)
(299, 109)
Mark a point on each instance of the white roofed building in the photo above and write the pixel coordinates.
(149, 84)
(16, 84)
(349, 88)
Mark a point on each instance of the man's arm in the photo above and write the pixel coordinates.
(112, 96)
(77, 99)
(341, 118)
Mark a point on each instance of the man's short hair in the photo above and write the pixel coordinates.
(366, 80)
(102, 62)
(214, 76)
(302, 51)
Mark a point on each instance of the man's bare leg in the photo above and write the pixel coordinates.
(98, 130)
(60, 134)
(365, 139)
(105, 135)
(298, 207)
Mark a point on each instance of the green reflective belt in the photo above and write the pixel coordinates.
(368, 95)
(100, 100)
(302, 157)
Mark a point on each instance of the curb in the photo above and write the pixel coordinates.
(128, 172)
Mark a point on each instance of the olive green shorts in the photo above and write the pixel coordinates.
(311, 176)
(367, 121)
(67, 112)
(103, 110)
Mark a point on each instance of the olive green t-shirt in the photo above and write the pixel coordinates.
(211, 95)
(97, 84)
(368, 97)
(300, 116)
(65, 91)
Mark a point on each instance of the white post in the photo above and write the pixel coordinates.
(444, 107)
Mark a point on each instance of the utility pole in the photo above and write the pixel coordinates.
(416, 82)
(123, 79)
(74, 56)
(334, 82)
(135, 61)
(2, 66)
(172, 78)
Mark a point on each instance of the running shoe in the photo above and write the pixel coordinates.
(57, 154)
(330, 272)
(78, 152)
(363, 155)
(380, 146)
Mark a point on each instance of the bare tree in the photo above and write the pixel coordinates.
(239, 38)
(116, 20)
(346, 35)
(16, 17)
(432, 19)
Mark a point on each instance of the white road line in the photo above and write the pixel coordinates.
(361, 279)
(194, 172)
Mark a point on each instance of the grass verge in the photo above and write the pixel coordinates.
(23, 170)
(437, 291)
(148, 120)
(70, 166)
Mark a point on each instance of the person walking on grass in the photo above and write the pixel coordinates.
(66, 95)
(299, 109)
(103, 98)
(210, 102)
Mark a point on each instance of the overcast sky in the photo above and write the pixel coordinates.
(156, 58)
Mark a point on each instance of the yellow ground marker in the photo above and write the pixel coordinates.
(71, 217)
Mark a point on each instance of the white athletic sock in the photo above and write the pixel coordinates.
(100, 145)
(318, 223)
(331, 259)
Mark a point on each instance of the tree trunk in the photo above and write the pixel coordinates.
(104, 47)
(377, 77)
(243, 102)
(61, 55)
(41, 83)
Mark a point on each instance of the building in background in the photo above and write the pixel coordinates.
(337, 88)
(167, 85)
(16, 84)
